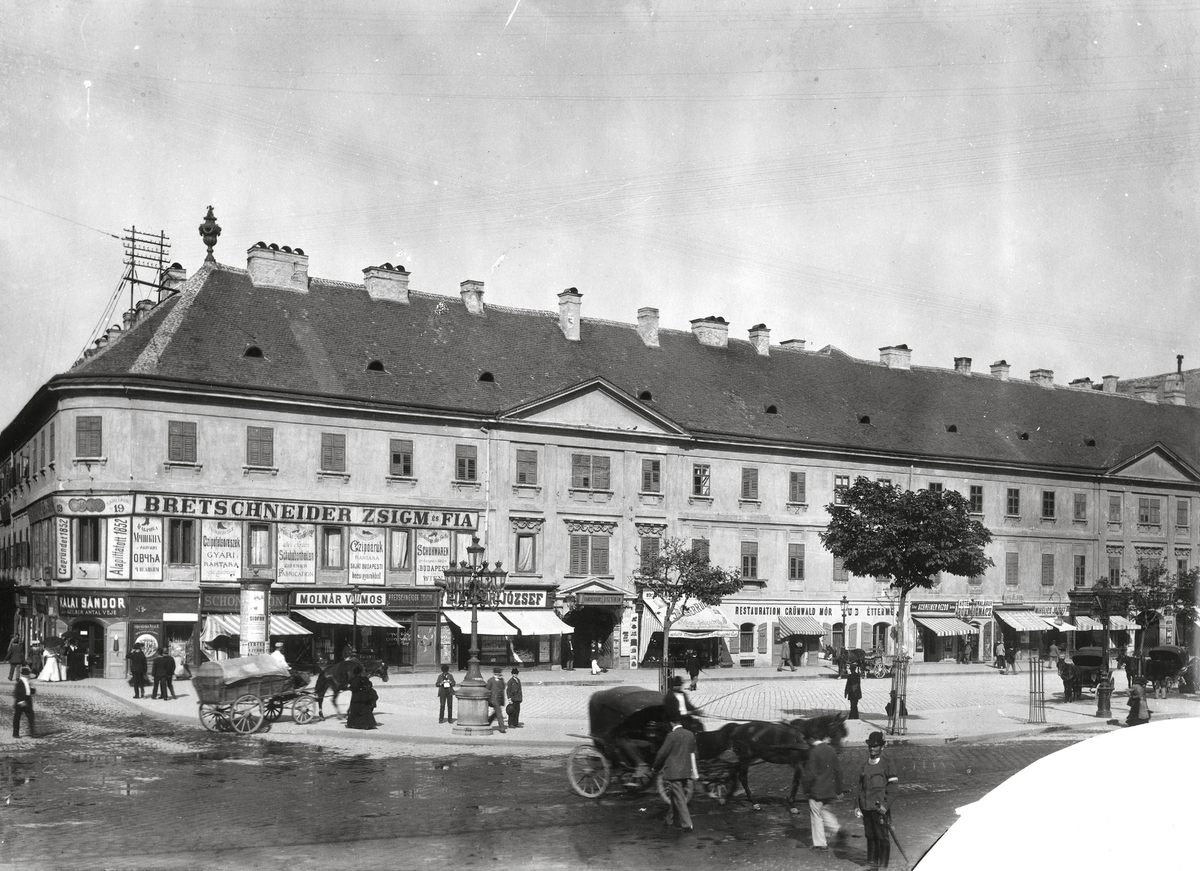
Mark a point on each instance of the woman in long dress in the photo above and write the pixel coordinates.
(52, 669)
(362, 702)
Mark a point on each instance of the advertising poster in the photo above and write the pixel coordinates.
(62, 547)
(221, 550)
(366, 555)
(296, 553)
(254, 622)
(118, 548)
(146, 549)
(433, 556)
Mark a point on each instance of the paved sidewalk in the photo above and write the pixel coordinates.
(948, 702)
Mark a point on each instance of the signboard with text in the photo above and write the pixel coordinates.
(118, 548)
(433, 556)
(220, 550)
(296, 553)
(62, 547)
(146, 549)
(366, 555)
(286, 511)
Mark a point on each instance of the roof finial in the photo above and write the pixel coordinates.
(210, 230)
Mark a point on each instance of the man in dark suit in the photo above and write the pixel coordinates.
(514, 700)
(676, 760)
(495, 690)
(23, 702)
(163, 672)
(137, 670)
(677, 707)
(822, 782)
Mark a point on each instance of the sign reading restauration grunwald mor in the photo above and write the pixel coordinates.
(226, 508)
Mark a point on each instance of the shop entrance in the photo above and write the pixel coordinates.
(593, 627)
(89, 637)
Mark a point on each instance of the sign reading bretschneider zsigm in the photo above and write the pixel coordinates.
(226, 508)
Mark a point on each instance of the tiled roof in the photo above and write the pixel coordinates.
(319, 343)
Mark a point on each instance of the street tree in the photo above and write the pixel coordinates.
(1156, 593)
(682, 578)
(880, 530)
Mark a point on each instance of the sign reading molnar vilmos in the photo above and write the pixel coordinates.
(176, 505)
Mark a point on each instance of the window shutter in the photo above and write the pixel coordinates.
(599, 554)
(1048, 568)
(260, 446)
(89, 441)
(799, 487)
(527, 467)
(750, 484)
(579, 554)
(1011, 568)
(580, 467)
(600, 479)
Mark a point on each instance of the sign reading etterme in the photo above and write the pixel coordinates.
(227, 508)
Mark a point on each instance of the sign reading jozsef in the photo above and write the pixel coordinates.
(220, 507)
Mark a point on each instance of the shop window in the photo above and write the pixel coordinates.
(333, 547)
(333, 452)
(260, 545)
(399, 549)
(589, 554)
(181, 441)
(87, 540)
(89, 436)
(400, 458)
(181, 541)
(260, 446)
(526, 553)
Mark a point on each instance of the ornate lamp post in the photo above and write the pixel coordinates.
(842, 658)
(355, 601)
(473, 583)
(1105, 600)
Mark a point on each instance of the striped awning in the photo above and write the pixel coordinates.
(537, 621)
(348, 617)
(231, 624)
(1059, 624)
(1022, 621)
(803, 624)
(706, 621)
(1087, 624)
(943, 626)
(1122, 623)
(488, 622)
(1091, 624)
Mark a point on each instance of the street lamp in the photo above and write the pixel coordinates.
(355, 601)
(842, 657)
(1104, 599)
(473, 583)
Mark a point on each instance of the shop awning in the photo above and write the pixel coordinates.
(799, 625)
(942, 626)
(1087, 624)
(1060, 625)
(708, 621)
(1122, 623)
(537, 621)
(180, 617)
(489, 622)
(1022, 621)
(346, 617)
(231, 624)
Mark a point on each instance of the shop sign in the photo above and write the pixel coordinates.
(522, 599)
(433, 556)
(973, 610)
(62, 547)
(599, 598)
(72, 605)
(230, 602)
(80, 506)
(220, 550)
(337, 599)
(366, 556)
(118, 548)
(146, 551)
(254, 621)
(796, 610)
(411, 600)
(221, 508)
(148, 634)
(935, 607)
(296, 553)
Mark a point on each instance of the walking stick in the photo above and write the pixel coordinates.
(887, 821)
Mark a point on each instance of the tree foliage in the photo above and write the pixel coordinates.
(1157, 591)
(682, 577)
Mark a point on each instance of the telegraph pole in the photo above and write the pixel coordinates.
(146, 251)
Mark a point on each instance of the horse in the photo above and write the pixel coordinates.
(782, 743)
(337, 677)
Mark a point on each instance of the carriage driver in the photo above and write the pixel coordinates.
(677, 707)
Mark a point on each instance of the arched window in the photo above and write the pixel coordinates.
(747, 637)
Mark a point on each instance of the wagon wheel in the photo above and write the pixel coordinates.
(589, 771)
(213, 718)
(305, 710)
(246, 714)
(880, 668)
(661, 786)
(273, 709)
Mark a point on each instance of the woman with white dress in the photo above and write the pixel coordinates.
(52, 671)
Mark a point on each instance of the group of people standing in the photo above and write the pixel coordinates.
(65, 660)
(162, 670)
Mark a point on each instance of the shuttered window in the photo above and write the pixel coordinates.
(750, 484)
(465, 468)
(260, 446)
(651, 476)
(333, 452)
(700, 547)
(181, 441)
(798, 487)
(589, 472)
(89, 440)
(527, 467)
(400, 458)
(589, 554)
(1012, 565)
(1047, 569)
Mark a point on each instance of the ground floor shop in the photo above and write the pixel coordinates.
(786, 633)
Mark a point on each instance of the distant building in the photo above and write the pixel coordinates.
(259, 423)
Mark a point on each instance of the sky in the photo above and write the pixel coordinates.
(997, 180)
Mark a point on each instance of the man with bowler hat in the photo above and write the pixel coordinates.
(514, 700)
(445, 687)
(877, 785)
(137, 670)
(495, 690)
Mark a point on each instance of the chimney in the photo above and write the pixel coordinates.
(112, 334)
(275, 266)
(712, 331)
(793, 344)
(129, 318)
(472, 295)
(896, 356)
(648, 326)
(1044, 377)
(1146, 392)
(1173, 392)
(101, 341)
(1179, 364)
(962, 365)
(142, 309)
(171, 281)
(1110, 383)
(570, 301)
(386, 282)
(1081, 384)
(760, 338)
(1000, 370)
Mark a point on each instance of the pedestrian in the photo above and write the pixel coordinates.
(363, 697)
(36, 658)
(677, 705)
(853, 690)
(279, 656)
(77, 663)
(445, 688)
(691, 663)
(23, 701)
(890, 707)
(495, 691)
(137, 670)
(1067, 671)
(840, 659)
(1012, 657)
(1139, 707)
(1130, 671)
(676, 759)
(822, 781)
(877, 784)
(52, 667)
(1053, 655)
(163, 672)
(785, 658)
(1001, 660)
(15, 657)
(514, 700)
(568, 653)
(597, 652)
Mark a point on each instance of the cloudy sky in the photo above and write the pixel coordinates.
(1010, 180)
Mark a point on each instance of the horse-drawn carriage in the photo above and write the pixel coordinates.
(1087, 662)
(1170, 667)
(242, 694)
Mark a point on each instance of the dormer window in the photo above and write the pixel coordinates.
(772, 409)
(952, 427)
(864, 419)
(1089, 442)
(375, 366)
(487, 377)
(1023, 436)
(645, 396)
(254, 352)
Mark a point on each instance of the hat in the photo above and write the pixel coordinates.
(516, 671)
(677, 681)
(875, 739)
(497, 670)
(26, 670)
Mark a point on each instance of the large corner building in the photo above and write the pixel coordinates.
(345, 441)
